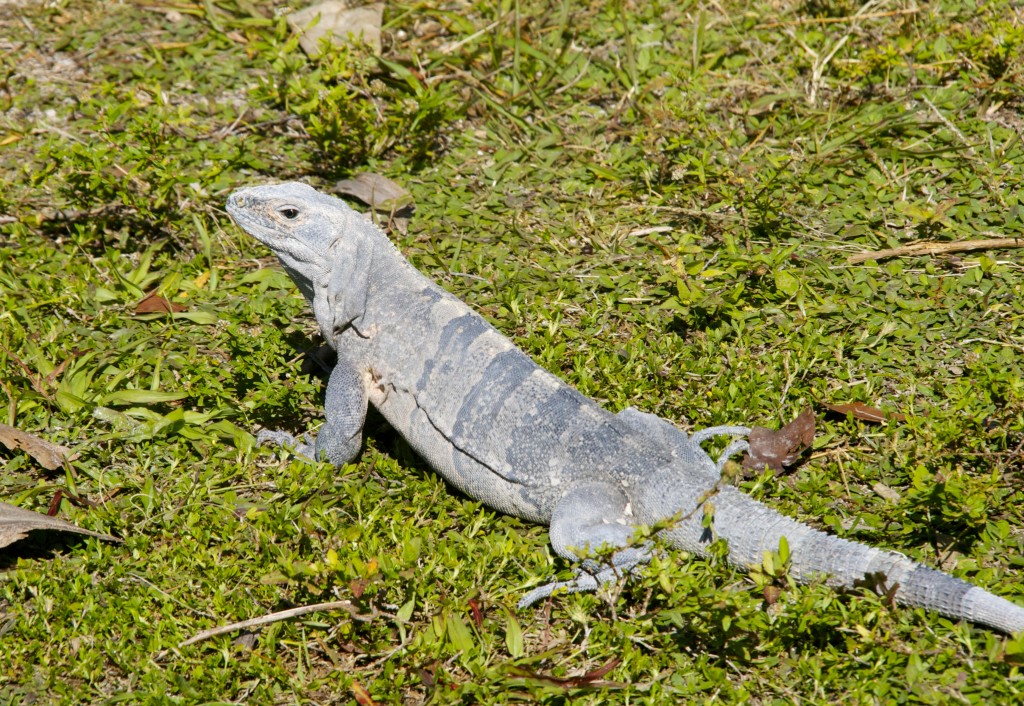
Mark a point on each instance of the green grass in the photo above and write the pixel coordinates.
(655, 200)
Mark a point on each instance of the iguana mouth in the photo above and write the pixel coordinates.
(238, 207)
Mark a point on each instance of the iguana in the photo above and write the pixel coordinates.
(506, 432)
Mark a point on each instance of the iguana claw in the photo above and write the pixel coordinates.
(285, 440)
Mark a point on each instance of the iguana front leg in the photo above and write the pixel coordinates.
(586, 519)
(341, 436)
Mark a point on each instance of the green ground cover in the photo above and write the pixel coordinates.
(657, 201)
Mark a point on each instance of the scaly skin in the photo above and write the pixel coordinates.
(508, 433)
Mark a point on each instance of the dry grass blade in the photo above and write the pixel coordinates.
(837, 20)
(865, 413)
(591, 679)
(277, 617)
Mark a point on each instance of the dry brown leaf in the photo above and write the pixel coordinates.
(886, 492)
(478, 616)
(776, 449)
(47, 454)
(864, 412)
(153, 303)
(376, 191)
(361, 695)
(16, 523)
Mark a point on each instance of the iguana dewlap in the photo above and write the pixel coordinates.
(515, 437)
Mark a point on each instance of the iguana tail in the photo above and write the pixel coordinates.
(752, 528)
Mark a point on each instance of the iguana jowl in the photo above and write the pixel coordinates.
(508, 433)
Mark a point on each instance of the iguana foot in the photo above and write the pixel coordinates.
(738, 446)
(285, 440)
(734, 447)
(702, 435)
(587, 581)
(582, 582)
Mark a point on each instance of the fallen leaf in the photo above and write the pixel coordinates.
(776, 449)
(153, 303)
(339, 22)
(884, 491)
(16, 523)
(376, 191)
(361, 695)
(55, 373)
(478, 616)
(427, 675)
(864, 412)
(55, 504)
(200, 281)
(246, 641)
(47, 454)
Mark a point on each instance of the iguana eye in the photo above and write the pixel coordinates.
(289, 212)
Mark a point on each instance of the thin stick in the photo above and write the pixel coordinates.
(276, 617)
(649, 231)
(465, 40)
(937, 249)
(832, 20)
(950, 126)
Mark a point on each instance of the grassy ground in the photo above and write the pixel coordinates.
(656, 200)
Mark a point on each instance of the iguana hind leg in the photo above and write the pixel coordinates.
(587, 519)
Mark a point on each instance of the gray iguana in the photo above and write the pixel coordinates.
(506, 432)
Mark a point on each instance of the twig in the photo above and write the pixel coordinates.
(449, 48)
(224, 132)
(566, 86)
(992, 343)
(698, 213)
(818, 71)
(950, 126)
(135, 578)
(832, 20)
(648, 231)
(276, 617)
(937, 249)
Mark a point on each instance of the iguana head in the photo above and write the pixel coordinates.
(297, 222)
